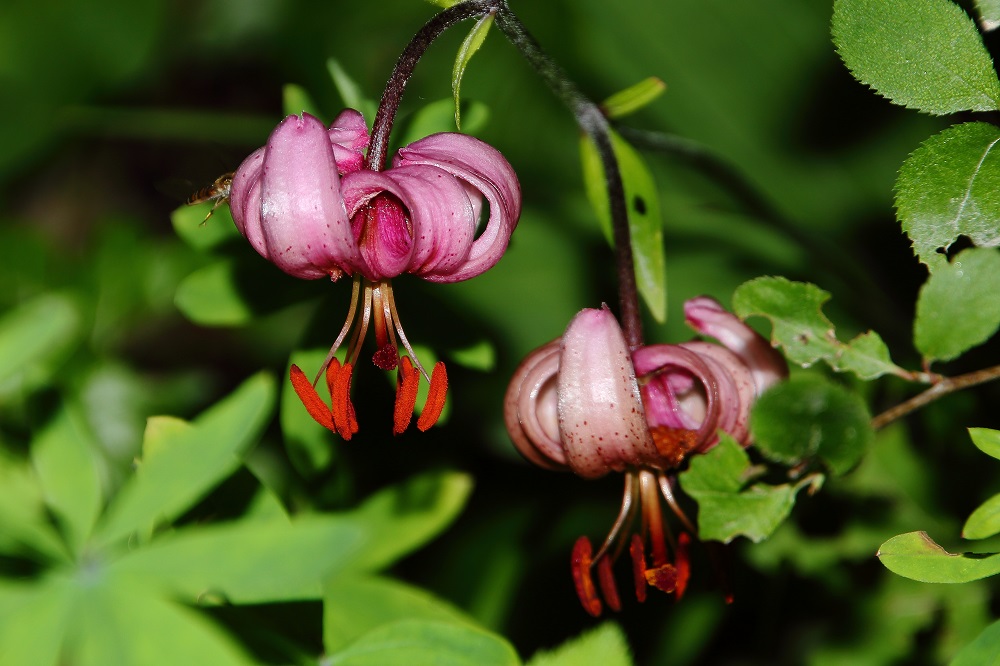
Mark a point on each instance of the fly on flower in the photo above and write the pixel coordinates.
(217, 191)
(306, 202)
(584, 404)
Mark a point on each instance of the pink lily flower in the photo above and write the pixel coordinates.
(582, 403)
(306, 203)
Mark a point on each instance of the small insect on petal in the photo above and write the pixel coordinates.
(436, 395)
(310, 398)
(406, 395)
(585, 589)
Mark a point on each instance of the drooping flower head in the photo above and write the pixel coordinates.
(584, 404)
(306, 202)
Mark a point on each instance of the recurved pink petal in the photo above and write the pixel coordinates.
(377, 206)
(736, 390)
(485, 169)
(530, 408)
(601, 417)
(349, 136)
(244, 200)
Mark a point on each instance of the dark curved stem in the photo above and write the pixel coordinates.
(590, 119)
(941, 388)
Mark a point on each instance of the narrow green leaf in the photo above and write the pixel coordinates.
(211, 297)
(726, 510)
(22, 512)
(65, 458)
(296, 100)
(439, 116)
(810, 416)
(444, 3)
(34, 633)
(957, 308)
(633, 98)
(33, 339)
(645, 221)
(427, 643)
(915, 555)
(983, 651)
(355, 605)
(191, 225)
(184, 470)
(922, 54)
(950, 187)
(803, 331)
(350, 91)
(469, 46)
(984, 521)
(986, 440)
(605, 645)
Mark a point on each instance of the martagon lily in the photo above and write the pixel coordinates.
(584, 404)
(306, 202)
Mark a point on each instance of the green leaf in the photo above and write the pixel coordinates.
(444, 3)
(984, 521)
(65, 459)
(803, 331)
(915, 555)
(211, 297)
(202, 233)
(469, 46)
(950, 187)
(957, 308)
(186, 468)
(633, 98)
(427, 643)
(22, 512)
(810, 416)
(296, 100)
(350, 91)
(603, 646)
(355, 605)
(439, 116)
(983, 651)
(33, 633)
(34, 337)
(644, 219)
(922, 54)
(716, 480)
(310, 446)
(986, 440)
(989, 14)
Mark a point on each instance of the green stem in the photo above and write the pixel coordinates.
(941, 388)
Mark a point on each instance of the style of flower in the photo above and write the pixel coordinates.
(585, 404)
(306, 202)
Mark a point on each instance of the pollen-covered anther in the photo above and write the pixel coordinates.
(310, 398)
(674, 444)
(637, 551)
(682, 562)
(406, 395)
(338, 378)
(606, 580)
(663, 578)
(437, 394)
(580, 565)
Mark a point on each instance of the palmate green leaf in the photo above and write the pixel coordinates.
(915, 555)
(65, 459)
(34, 337)
(23, 513)
(803, 331)
(605, 645)
(642, 200)
(469, 46)
(957, 308)
(950, 187)
(210, 296)
(633, 98)
(34, 620)
(427, 643)
(356, 605)
(191, 226)
(193, 463)
(807, 417)
(922, 54)
(727, 506)
(983, 651)
(986, 440)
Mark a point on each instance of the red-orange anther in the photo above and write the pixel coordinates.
(342, 410)
(436, 395)
(406, 395)
(682, 563)
(585, 589)
(606, 580)
(636, 550)
(310, 398)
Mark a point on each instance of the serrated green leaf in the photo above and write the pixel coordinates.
(983, 651)
(65, 458)
(957, 308)
(633, 98)
(810, 416)
(642, 201)
(915, 555)
(726, 510)
(211, 297)
(34, 337)
(984, 522)
(427, 643)
(296, 100)
(803, 331)
(355, 605)
(201, 233)
(184, 470)
(439, 116)
(350, 91)
(986, 440)
(922, 54)
(469, 46)
(950, 187)
(605, 645)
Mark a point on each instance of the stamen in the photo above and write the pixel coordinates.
(682, 562)
(653, 517)
(585, 589)
(310, 398)
(637, 551)
(355, 290)
(344, 417)
(663, 578)
(667, 490)
(406, 395)
(606, 579)
(625, 515)
(436, 396)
